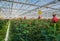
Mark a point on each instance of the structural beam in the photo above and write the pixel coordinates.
(56, 0)
(3, 0)
(13, 8)
(24, 3)
(53, 8)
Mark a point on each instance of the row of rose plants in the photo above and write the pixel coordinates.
(3, 29)
(34, 30)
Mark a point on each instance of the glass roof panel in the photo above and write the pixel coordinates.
(43, 2)
(5, 4)
(19, 7)
(32, 1)
(15, 5)
(32, 7)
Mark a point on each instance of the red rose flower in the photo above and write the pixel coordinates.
(39, 17)
(54, 19)
(24, 17)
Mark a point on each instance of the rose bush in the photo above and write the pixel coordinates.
(33, 30)
(3, 29)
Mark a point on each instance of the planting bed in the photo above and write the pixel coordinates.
(3, 29)
(33, 30)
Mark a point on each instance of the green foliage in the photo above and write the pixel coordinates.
(3, 29)
(33, 30)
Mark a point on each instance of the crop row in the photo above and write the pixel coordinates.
(34, 30)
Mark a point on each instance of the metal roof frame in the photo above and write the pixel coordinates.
(24, 3)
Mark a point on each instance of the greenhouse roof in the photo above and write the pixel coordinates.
(29, 8)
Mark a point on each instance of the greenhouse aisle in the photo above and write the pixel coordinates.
(29, 20)
(7, 33)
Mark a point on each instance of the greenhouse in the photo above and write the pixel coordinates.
(29, 20)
